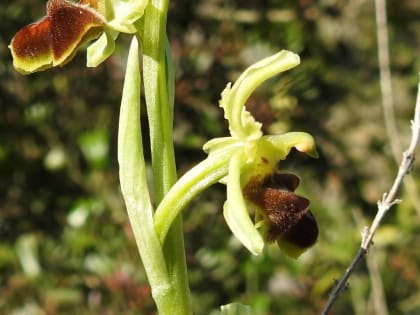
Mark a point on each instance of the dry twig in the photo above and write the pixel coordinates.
(388, 200)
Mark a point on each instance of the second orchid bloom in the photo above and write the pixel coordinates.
(55, 39)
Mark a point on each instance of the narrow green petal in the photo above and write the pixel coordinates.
(283, 143)
(235, 210)
(101, 49)
(217, 144)
(241, 123)
(121, 14)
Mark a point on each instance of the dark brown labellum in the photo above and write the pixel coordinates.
(71, 25)
(304, 233)
(54, 39)
(287, 215)
(284, 181)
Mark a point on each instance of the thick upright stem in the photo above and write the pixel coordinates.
(159, 103)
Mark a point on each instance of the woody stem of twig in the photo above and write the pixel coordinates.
(389, 199)
(342, 283)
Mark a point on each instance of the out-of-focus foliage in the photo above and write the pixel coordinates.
(65, 243)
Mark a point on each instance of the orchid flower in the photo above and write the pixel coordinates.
(255, 157)
(55, 39)
(246, 162)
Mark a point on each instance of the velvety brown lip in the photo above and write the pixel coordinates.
(69, 25)
(287, 215)
(33, 40)
(54, 39)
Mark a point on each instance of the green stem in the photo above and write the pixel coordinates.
(158, 104)
(200, 177)
(159, 109)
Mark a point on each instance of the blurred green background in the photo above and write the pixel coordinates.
(65, 243)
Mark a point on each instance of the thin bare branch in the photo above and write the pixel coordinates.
(387, 95)
(388, 200)
(342, 283)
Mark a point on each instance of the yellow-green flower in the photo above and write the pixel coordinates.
(254, 157)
